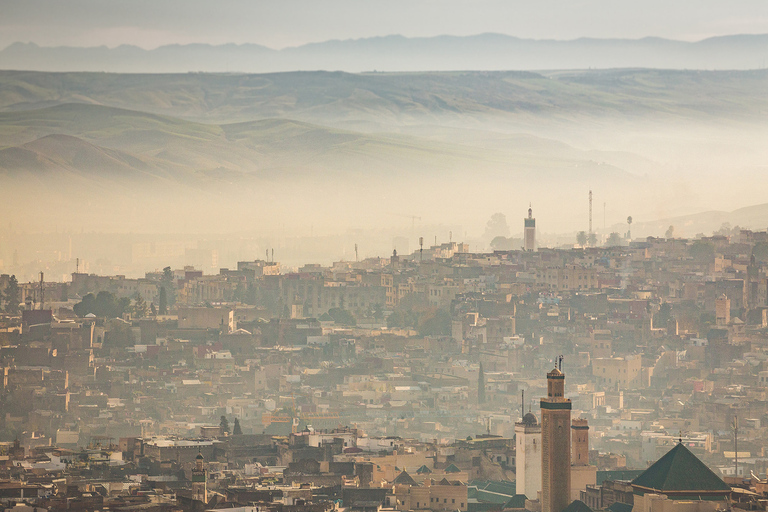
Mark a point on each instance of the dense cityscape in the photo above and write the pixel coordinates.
(628, 374)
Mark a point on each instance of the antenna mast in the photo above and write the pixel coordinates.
(736, 445)
(42, 292)
(590, 213)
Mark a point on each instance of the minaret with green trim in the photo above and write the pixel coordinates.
(555, 444)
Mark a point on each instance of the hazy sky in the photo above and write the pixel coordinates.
(280, 23)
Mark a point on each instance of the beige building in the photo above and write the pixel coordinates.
(567, 278)
(440, 495)
(722, 310)
(207, 318)
(617, 372)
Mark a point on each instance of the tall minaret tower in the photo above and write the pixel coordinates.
(580, 442)
(555, 443)
(530, 231)
(200, 480)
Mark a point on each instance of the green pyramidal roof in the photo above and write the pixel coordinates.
(680, 471)
(405, 478)
(577, 506)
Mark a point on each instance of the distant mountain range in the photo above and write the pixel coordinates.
(398, 53)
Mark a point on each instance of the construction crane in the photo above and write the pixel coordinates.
(413, 218)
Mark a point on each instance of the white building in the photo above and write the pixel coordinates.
(528, 447)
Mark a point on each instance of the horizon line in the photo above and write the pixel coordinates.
(387, 36)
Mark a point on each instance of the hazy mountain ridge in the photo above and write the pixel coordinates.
(384, 102)
(398, 53)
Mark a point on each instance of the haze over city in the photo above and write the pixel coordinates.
(356, 256)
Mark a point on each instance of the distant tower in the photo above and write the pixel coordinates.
(528, 449)
(555, 444)
(199, 480)
(530, 231)
(580, 442)
(582, 474)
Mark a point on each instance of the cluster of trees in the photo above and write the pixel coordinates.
(105, 304)
(224, 427)
(11, 297)
(427, 320)
(582, 238)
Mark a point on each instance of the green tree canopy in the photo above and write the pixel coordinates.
(103, 304)
(223, 425)
(702, 251)
(237, 430)
(342, 316)
(435, 322)
(614, 240)
(12, 296)
(496, 226)
(139, 308)
(163, 301)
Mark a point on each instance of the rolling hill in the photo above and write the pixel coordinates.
(389, 102)
(92, 139)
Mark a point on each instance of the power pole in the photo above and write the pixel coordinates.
(590, 212)
(42, 292)
(736, 445)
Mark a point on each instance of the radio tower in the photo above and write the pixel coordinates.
(590, 215)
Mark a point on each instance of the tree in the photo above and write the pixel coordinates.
(670, 232)
(163, 301)
(434, 322)
(592, 239)
(760, 251)
(496, 226)
(502, 243)
(152, 309)
(377, 311)
(661, 318)
(170, 289)
(702, 251)
(342, 316)
(236, 430)
(139, 308)
(12, 296)
(104, 304)
(614, 240)
(223, 426)
(581, 238)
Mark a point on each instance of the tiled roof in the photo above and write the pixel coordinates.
(679, 470)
